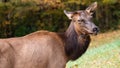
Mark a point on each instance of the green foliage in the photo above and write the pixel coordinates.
(109, 1)
(20, 17)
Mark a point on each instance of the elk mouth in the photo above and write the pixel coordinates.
(92, 32)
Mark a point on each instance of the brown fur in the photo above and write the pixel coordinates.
(41, 49)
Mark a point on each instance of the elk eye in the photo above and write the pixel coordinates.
(81, 21)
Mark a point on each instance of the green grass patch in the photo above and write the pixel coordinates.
(104, 56)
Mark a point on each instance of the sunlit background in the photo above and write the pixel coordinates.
(21, 17)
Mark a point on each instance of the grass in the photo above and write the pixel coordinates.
(104, 52)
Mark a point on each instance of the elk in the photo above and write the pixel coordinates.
(44, 49)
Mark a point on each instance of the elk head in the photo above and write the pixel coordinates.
(82, 20)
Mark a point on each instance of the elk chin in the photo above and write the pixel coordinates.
(95, 33)
(92, 33)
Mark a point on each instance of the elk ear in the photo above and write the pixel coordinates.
(92, 7)
(68, 14)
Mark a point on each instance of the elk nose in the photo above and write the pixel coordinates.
(95, 29)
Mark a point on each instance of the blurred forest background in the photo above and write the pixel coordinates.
(20, 17)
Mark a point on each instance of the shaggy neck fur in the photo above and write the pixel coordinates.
(76, 44)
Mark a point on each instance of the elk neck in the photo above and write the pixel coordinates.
(75, 45)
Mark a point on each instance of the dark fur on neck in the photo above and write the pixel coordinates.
(76, 44)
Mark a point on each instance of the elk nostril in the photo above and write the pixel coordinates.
(95, 29)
